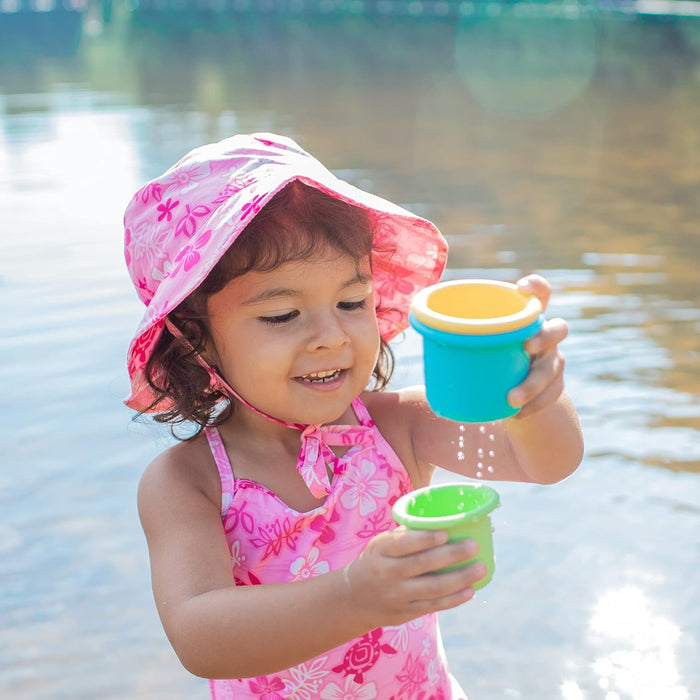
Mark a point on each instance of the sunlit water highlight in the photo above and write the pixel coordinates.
(597, 584)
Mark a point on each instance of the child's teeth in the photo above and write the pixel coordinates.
(320, 376)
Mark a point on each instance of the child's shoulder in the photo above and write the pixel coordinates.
(397, 415)
(186, 469)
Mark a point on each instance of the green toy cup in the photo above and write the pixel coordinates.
(460, 508)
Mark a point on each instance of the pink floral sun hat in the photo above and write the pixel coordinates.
(179, 225)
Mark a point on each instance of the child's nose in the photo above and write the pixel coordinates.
(328, 333)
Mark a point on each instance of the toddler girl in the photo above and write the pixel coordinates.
(272, 289)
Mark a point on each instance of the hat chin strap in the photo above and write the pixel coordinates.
(218, 380)
(315, 452)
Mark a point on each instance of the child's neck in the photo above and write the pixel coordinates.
(267, 452)
(246, 427)
(249, 420)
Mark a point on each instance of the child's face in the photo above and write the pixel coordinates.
(300, 342)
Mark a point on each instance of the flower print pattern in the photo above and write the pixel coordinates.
(268, 689)
(405, 486)
(252, 207)
(413, 677)
(187, 224)
(189, 256)
(305, 679)
(350, 691)
(166, 209)
(308, 566)
(364, 490)
(229, 190)
(144, 245)
(399, 283)
(404, 632)
(239, 518)
(273, 537)
(323, 524)
(433, 670)
(143, 343)
(236, 185)
(237, 556)
(375, 523)
(143, 289)
(152, 189)
(253, 580)
(185, 177)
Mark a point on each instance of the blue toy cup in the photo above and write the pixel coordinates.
(473, 335)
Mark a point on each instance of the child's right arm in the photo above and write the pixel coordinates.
(219, 630)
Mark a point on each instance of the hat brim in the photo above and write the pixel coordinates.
(410, 254)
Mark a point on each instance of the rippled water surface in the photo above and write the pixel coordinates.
(566, 146)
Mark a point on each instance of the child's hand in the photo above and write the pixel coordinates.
(388, 580)
(545, 380)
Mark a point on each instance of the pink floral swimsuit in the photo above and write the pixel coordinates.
(272, 543)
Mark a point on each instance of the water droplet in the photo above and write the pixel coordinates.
(492, 453)
(479, 465)
(480, 452)
(479, 475)
(491, 437)
(490, 469)
(460, 456)
(461, 441)
(461, 428)
(482, 429)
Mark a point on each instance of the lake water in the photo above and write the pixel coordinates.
(564, 142)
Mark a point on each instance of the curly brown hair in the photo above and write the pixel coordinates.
(298, 222)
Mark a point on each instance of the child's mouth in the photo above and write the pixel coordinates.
(324, 377)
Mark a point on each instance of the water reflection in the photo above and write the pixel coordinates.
(578, 156)
(641, 646)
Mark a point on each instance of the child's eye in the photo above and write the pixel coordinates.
(352, 305)
(277, 320)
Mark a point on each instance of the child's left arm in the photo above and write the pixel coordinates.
(542, 443)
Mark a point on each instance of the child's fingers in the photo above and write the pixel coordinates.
(546, 374)
(445, 590)
(546, 366)
(403, 542)
(403, 554)
(446, 602)
(431, 560)
(542, 400)
(538, 286)
(392, 589)
(552, 333)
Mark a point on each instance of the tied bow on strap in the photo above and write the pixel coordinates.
(315, 453)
